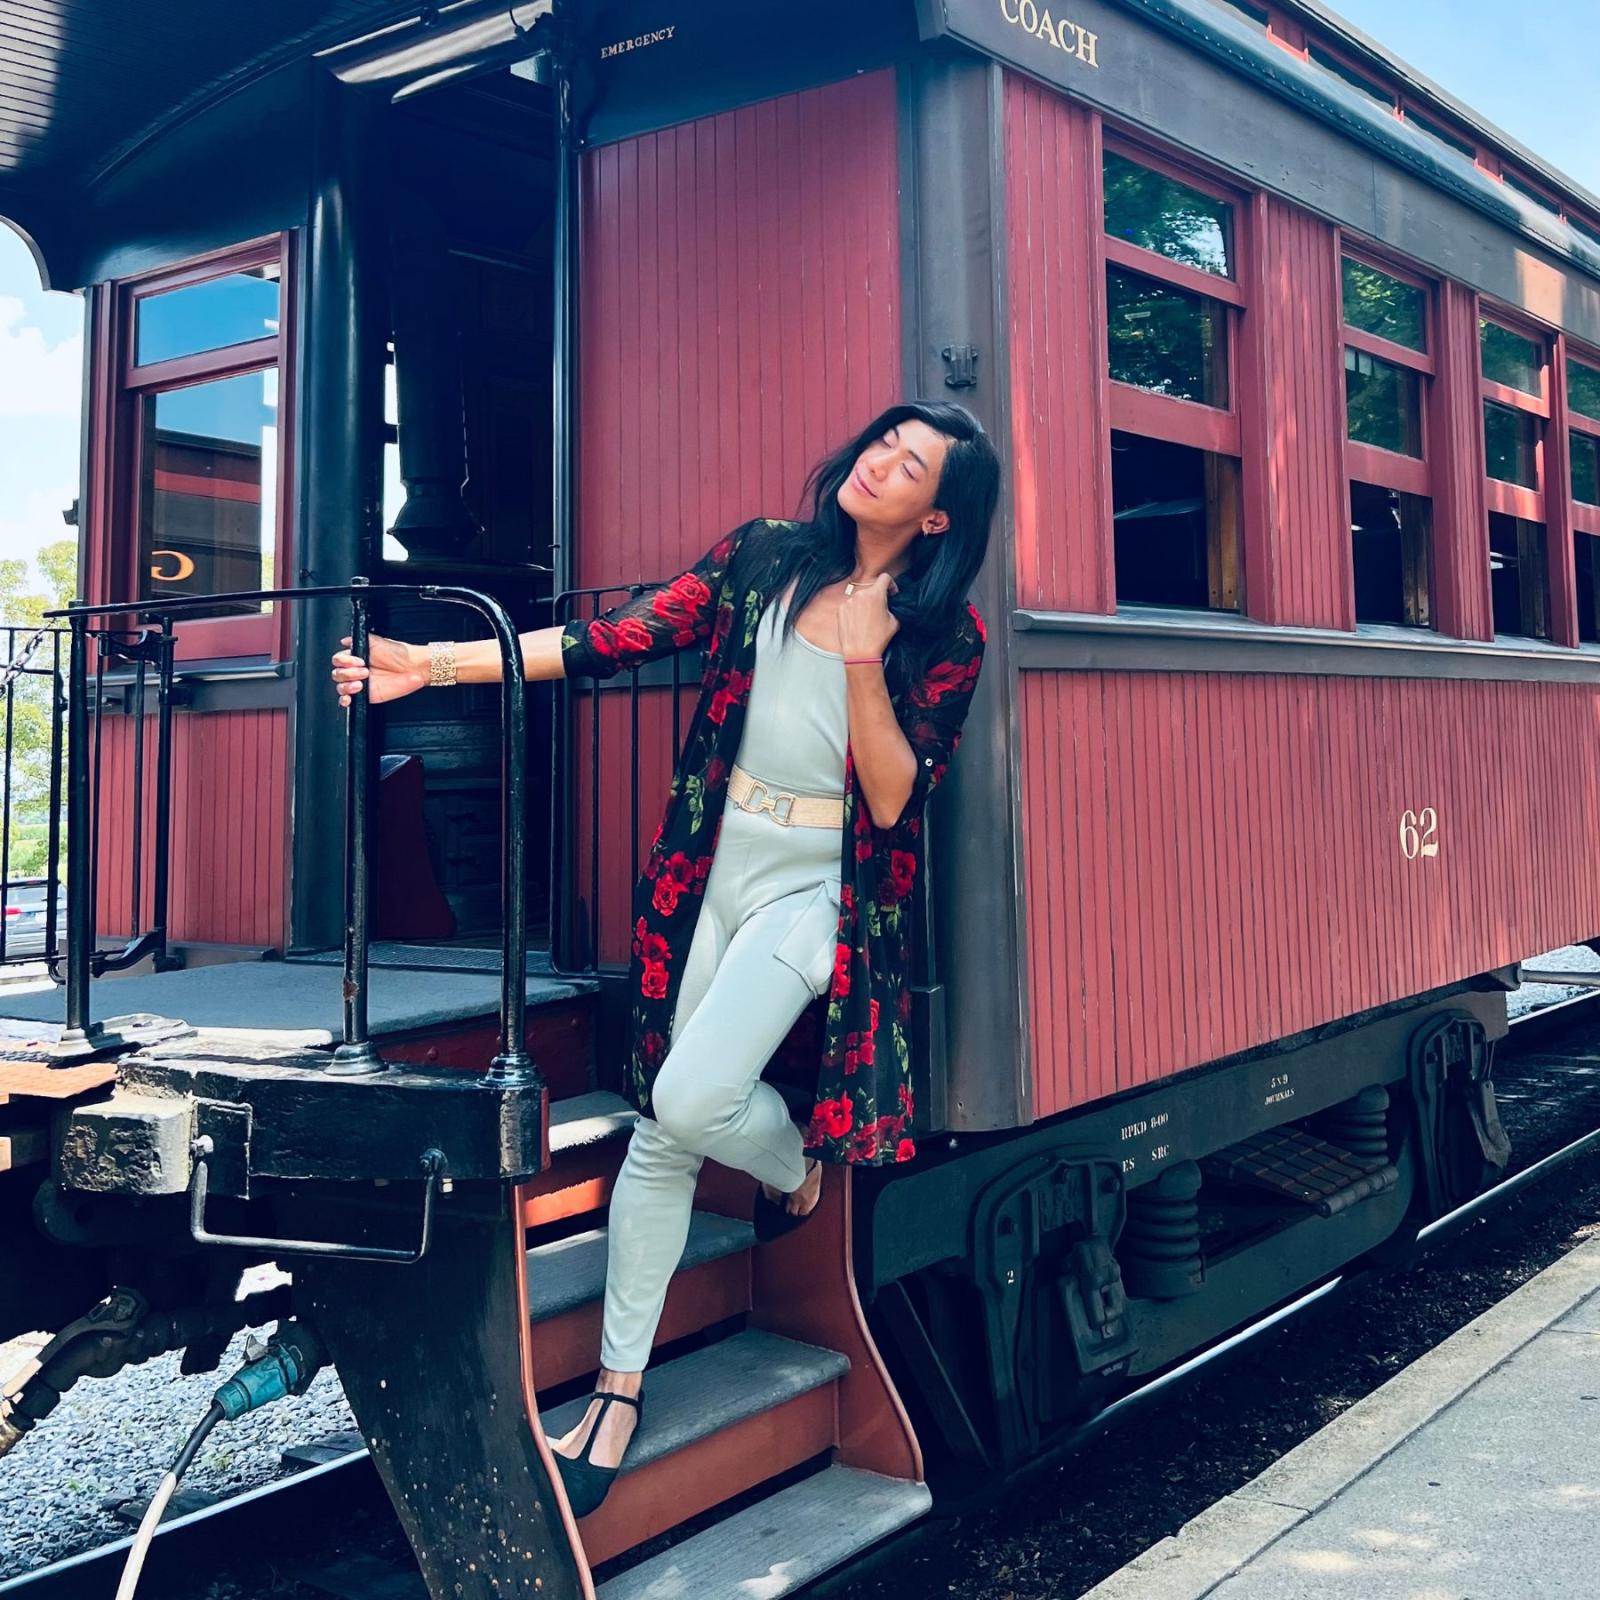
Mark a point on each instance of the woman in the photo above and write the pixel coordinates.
(842, 654)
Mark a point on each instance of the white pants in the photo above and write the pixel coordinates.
(762, 950)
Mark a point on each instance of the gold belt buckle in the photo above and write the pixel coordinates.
(767, 802)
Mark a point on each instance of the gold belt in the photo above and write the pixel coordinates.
(792, 810)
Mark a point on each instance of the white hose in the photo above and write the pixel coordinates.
(141, 1540)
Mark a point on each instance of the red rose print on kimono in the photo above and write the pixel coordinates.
(681, 604)
(862, 1103)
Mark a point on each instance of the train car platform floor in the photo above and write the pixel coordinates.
(1473, 1474)
(298, 1001)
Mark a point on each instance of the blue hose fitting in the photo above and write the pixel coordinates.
(294, 1356)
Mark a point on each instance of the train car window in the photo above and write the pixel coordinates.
(1392, 551)
(1437, 130)
(1511, 444)
(1387, 371)
(1588, 575)
(196, 415)
(1158, 213)
(1340, 68)
(1583, 389)
(1383, 305)
(231, 309)
(1165, 339)
(1527, 190)
(208, 471)
(1519, 576)
(1175, 519)
(1511, 359)
(1383, 403)
(1585, 468)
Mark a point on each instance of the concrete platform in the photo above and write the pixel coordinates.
(294, 1002)
(1474, 1474)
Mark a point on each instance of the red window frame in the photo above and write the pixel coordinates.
(120, 390)
(1161, 416)
(1513, 499)
(1585, 518)
(1370, 463)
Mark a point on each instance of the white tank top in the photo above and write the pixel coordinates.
(795, 725)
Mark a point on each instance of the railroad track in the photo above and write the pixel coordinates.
(1551, 1126)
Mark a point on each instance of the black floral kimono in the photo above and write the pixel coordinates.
(863, 1112)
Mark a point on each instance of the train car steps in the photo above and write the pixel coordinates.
(781, 1543)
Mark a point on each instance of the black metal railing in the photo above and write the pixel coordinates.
(575, 907)
(155, 642)
(33, 688)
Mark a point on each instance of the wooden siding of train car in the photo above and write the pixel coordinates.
(739, 315)
(230, 810)
(1212, 861)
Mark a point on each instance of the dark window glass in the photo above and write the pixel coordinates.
(1585, 467)
(1512, 181)
(1519, 579)
(1158, 213)
(1438, 131)
(1175, 520)
(208, 316)
(1583, 389)
(1376, 303)
(1383, 403)
(1248, 8)
(1390, 545)
(1510, 440)
(1166, 339)
(1588, 569)
(1333, 64)
(207, 490)
(1587, 229)
(1510, 359)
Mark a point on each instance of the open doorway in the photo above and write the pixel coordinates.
(468, 177)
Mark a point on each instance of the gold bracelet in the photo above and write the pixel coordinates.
(441, 663)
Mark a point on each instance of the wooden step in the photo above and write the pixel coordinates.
(787, 1540)
(717, 1422)
(588, 1133)
(567, 1277)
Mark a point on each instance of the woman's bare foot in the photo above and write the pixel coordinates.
(800, 1201)
(616, 1428)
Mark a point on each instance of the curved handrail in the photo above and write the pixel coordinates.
(512, 1062)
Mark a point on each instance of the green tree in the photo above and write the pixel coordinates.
(26, 703)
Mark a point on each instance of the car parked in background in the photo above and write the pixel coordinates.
(25, 904)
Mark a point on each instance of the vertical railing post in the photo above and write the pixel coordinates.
(136, 810)
(167, 643)
(52, 886)
(356, 1056)
(512, 1064)
(80, 901)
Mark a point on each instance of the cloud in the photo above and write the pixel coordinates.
(37, 378)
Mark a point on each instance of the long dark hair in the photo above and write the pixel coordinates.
(930, 597)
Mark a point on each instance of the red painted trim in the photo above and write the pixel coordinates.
(1585, 518)
(1400, 355)
(1366, 463)
(1558, 542)
(207, 488)
(226, 361)
(1512, 500)
(1582, 424)
(1160, 416)
(1148, 264)
(1518, 399)
(1251, 374)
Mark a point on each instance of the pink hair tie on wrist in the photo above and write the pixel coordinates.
(861, 661)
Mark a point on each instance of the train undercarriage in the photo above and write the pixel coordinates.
(933, 1325)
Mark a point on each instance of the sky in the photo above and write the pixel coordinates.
(1530, 70)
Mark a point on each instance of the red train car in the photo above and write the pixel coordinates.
(1295, 366)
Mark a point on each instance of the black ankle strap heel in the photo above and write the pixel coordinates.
(586, 1484)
